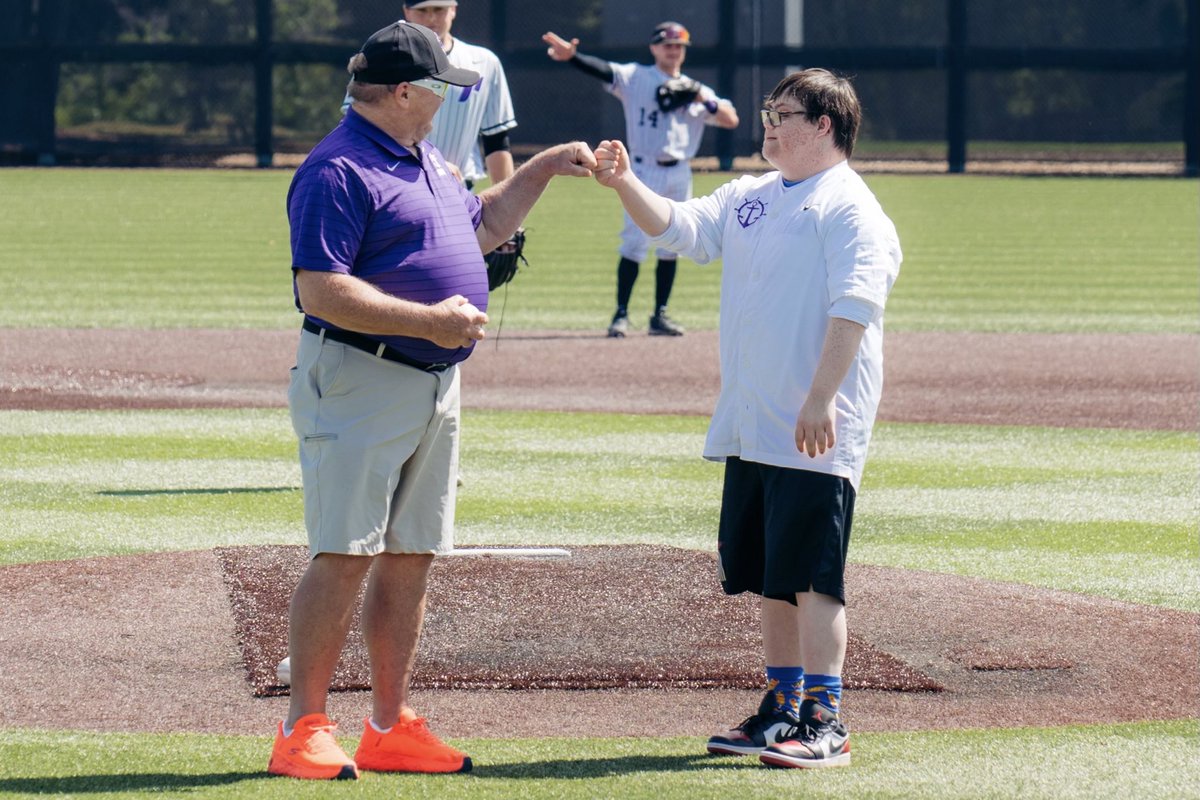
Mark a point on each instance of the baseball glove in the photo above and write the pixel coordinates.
(502, 263)
(677, 93)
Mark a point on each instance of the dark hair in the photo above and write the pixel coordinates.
(821, 92)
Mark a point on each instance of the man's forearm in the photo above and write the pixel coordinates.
(842, 339)
(505, 205)
(591, 65)
(355, 305)
(726, 116)
(648, 210)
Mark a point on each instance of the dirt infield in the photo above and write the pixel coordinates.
(151, 642)
(1070, 380)
(607, 617)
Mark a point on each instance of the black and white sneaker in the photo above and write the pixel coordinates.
(662, 325)
(619, 326)
(820, 740)
(755, 733)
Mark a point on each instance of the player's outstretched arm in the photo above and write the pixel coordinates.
(651, 212)
(506, 204)
(559, 48)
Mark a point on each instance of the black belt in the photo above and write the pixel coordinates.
(372, 346)
(669, 162)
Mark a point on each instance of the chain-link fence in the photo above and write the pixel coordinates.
(203, 81)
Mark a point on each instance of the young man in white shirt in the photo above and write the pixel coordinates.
(809, 260)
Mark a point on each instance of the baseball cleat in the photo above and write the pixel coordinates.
(821, 740)
(662, 325)
(408, 747)
(618, 327)
(311, 752)
(755, 733)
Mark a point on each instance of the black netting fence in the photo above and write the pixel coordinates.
(257, 81)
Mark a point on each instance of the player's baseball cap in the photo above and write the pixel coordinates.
(404, 52)
(670, 33)
(429, 3)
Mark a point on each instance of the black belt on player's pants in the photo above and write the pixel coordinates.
(666, 162)
(373, 347)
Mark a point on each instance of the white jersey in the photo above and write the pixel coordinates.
(469, 112)
(793, 257)
(652, 134)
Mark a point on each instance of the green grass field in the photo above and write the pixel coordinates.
(163, 248)
(1027, 763)
(958, 499)
(1108, 513)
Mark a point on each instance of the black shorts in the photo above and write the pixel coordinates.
(783, 531)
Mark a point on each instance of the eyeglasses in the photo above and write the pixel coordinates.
(437, 87)
(773, 119)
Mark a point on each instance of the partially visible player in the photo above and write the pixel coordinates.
(661, 143)
(471, 128)
(810, 258)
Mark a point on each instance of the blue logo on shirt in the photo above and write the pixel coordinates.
(751, 211)
(466, 92)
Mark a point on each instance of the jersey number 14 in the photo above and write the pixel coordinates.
(651, 118)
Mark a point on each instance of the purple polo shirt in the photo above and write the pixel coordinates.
(363, 205)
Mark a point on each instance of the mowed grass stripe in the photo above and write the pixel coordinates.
(1065, 763)
(1110, 512)
(195, 248)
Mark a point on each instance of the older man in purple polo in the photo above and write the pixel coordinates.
(387, 258)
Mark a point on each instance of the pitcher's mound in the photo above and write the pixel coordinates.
(607, 617)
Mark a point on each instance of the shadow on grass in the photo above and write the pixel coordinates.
(586, 768)
(107, 784)
(237, 490)
(559, 768)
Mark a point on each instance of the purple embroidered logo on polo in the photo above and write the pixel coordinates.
(751, 211)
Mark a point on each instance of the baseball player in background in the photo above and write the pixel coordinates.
(661, 143)
(809, 260)
(471, 128)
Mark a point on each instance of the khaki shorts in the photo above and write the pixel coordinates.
(378, 451)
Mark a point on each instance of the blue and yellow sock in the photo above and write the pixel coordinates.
(825, 689)
(786, 685)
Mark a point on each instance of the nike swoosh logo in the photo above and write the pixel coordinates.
(392, 168)
(776, 732)
(833, 744)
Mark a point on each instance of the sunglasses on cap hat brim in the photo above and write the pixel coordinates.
(671, 34)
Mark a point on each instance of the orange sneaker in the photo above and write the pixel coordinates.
(408, 747)
(311, 752)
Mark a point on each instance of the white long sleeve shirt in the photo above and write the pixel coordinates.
(793, 257)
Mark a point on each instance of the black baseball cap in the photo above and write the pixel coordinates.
(670, 33)
(406, 52)
(429, 3)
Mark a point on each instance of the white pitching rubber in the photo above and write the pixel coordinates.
(510, 552)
